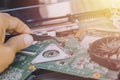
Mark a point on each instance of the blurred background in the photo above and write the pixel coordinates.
(78, 6)
(45, 9)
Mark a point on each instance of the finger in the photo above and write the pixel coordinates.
(14, 24)
(11, 24)
(2, 27)
(12, 32)
(8, 50)
(6, 57)
(19, 42)
(2, 34)
(18, 26)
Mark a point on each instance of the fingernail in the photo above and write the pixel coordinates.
(28, 40)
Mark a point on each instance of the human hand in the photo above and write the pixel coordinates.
(8, 50)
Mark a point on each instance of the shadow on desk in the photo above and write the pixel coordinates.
(41, 74)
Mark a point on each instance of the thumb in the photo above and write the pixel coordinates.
(19, 42)
(8, 50)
